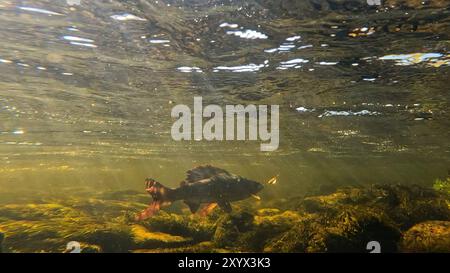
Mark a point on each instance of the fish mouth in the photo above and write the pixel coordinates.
(259, 187)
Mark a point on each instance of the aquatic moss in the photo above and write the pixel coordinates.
(245, 231)
(442, 185)
(110, 240)
(306, 236)
(346, 231)
(90, 248)
(352, 228)
(99, 225)
(342, 221)
(405, 205)
(106, 209)
(276, 223)
(2, 238)
(267, 224)
(31, 212)
(346, 220)
(197, 227)
(231, 226)
(30, 236)
(143, 238)
(48, 227)
(203, 247)
(408, 206)
(430, 236)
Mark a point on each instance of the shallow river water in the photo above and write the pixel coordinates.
(87, 88)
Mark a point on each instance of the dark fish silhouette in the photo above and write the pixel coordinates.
(204, 184)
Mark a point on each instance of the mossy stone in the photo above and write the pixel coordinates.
(230, 227)
(143, 238)
(429, 236)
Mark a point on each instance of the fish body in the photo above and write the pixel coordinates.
(203, 185)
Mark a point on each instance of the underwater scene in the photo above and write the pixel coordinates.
(117, 129)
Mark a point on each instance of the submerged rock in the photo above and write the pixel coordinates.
(404, 205)
(269, 223)
(245, 231)
(346, 220)
(345, 231)
(230, 228)
(342, 221)
(306, 236)
(430, 236)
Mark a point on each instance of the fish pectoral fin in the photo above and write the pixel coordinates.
(226, 206)
(207, 209)
(152, 208)
(193, 206)
(256, 197)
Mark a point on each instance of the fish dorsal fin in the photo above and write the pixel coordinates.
(203, 172)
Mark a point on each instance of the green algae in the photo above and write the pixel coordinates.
(2, 237)
(230, 229)
(442, 185)
(203, 247)
(346, 231)
(340, 221)
(405, 205)
(48, 227)
(144, 238)
(196, 227)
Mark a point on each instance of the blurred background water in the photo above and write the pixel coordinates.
(86, 90)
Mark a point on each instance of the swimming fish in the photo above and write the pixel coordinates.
(203, 185)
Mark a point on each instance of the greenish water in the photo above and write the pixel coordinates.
(86, 92)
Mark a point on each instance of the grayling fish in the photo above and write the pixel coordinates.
(203, 185)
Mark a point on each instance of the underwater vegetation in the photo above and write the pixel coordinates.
(442, 185)
(2, 237)
(86, 95)
(401, 218)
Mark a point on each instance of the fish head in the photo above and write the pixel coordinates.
(250, 186)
